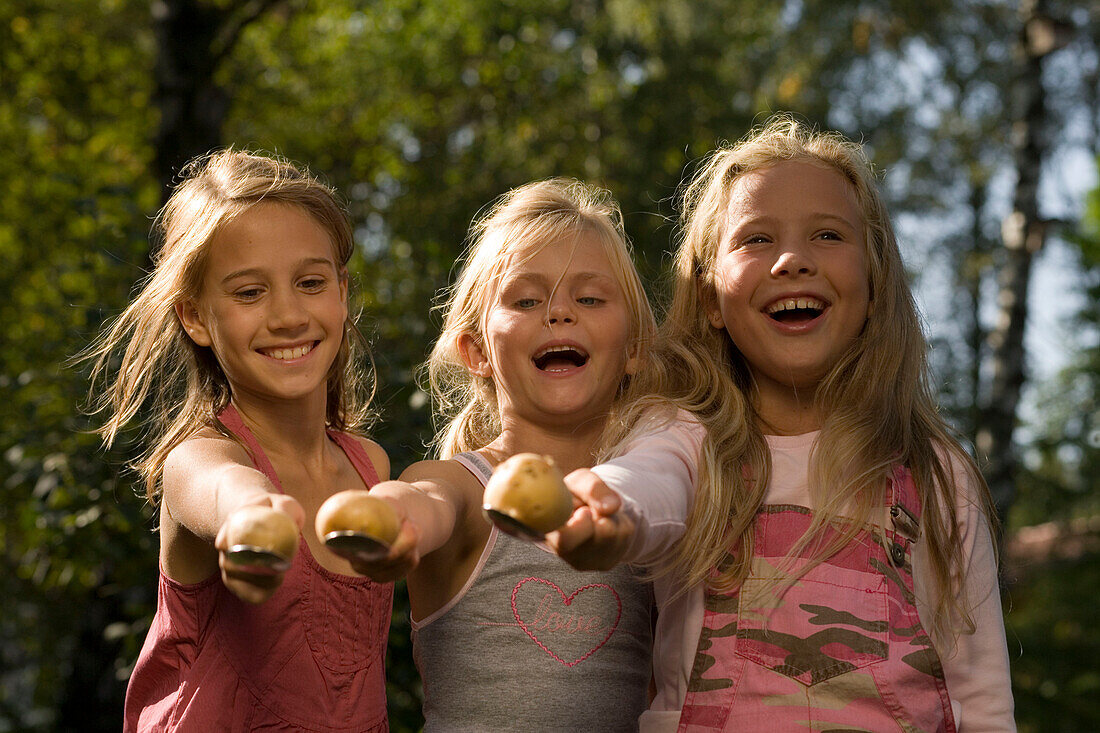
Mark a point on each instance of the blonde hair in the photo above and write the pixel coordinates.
(878, 401)
(516, 227)
(160, 367)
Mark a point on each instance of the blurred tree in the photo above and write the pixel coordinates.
(76, 579)
(1061, 476)
(193, 39)
(1024, 232)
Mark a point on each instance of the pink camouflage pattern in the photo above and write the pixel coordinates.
(842, 649)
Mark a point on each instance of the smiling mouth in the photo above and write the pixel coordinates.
(559, 358)
(286, 354)
(796, 310)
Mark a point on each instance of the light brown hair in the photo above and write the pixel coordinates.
(144, 359)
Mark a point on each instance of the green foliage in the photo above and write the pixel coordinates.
(72, 125)
(1053, 646)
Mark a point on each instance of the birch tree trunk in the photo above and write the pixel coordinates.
(1023, 235)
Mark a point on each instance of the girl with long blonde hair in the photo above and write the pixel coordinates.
(241, 350)
(544, 328)
(834, 565)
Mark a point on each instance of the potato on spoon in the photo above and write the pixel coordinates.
(526, 497)
(355, 524)
(261, 540)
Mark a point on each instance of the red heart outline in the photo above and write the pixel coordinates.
(568, 600)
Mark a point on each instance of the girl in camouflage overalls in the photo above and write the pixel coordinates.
(827, 553)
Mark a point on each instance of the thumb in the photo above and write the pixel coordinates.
(590, 490)
(289, 506)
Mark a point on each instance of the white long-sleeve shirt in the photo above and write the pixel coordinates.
(655, 475)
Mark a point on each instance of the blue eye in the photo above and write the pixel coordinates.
(526, 303)
(589, 300)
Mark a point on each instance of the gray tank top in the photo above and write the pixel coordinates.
(530, 644)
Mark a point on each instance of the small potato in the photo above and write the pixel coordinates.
(357, 511)
(264, 528)
(529, 488)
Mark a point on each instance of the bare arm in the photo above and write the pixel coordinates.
(429, 500)
(205, 480)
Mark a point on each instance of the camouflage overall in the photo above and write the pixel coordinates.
(841, 650)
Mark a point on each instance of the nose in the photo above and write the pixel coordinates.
(287, 311)
(560, 310)
(794, 260)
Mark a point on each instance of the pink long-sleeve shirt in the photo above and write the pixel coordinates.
(655, 475)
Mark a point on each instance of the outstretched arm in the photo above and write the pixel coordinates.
(638, 502)
(598, 534)
(206, 480)
(428, 501)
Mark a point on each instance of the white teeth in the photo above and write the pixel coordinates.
(790, 304)
(283, 354)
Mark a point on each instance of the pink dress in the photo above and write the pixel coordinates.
(841, 649)
(310, 658)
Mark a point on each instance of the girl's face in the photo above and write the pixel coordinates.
(791, 274)
(272, 305)
(556, 338)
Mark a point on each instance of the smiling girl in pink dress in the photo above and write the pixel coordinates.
(242, 347)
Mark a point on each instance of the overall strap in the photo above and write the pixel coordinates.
(230, 418)
(905, 512)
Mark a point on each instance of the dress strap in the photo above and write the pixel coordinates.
(357, 455)
(230, 418)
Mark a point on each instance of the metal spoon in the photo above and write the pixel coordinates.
(512, 526)
(360, 545)
(256, 560)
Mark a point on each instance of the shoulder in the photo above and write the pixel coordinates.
(376, 453)
(198, 460)
(447, 479)
(666, 425)
(448, 471)
(965, 496)
(205, 448)
(966, 483)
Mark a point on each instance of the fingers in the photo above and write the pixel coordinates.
(592, 542)
(402, 558)
(579, 529)
(591, 491)
(251, 587)
(289, 506)
(255, 571)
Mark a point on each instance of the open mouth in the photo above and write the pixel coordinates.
(291, 352)
(796, 310)
(560, 358)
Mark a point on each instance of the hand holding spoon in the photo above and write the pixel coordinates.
(526, 497)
